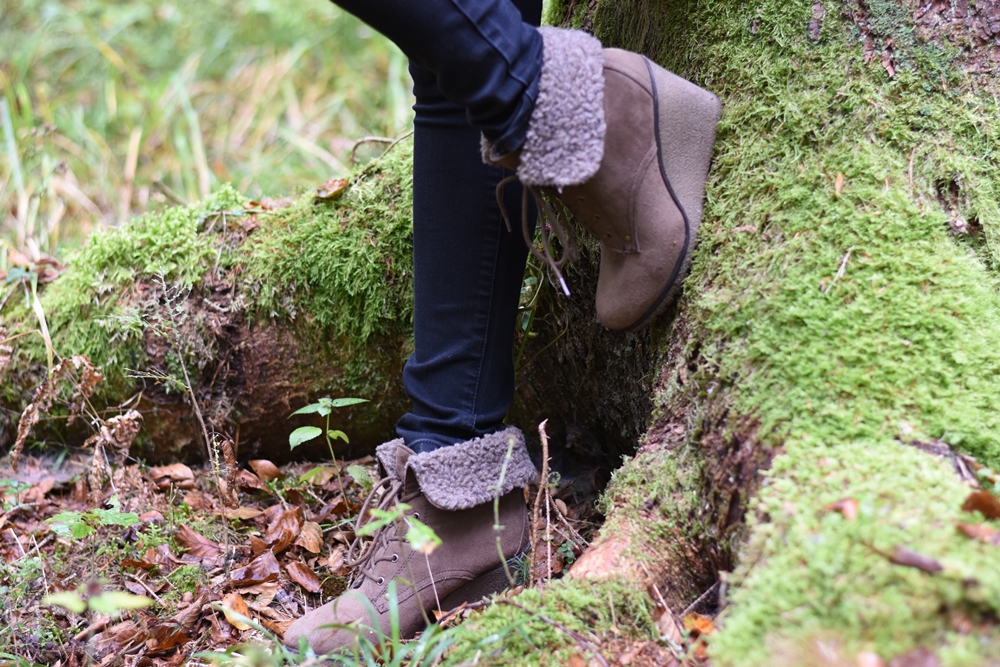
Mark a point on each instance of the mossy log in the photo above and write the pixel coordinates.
(841, 324)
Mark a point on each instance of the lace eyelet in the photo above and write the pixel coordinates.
(395, 557)
(380, 581)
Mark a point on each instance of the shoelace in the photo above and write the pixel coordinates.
(548, 222)
(381, 538)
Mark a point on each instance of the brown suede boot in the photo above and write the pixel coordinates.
(626, 145)
(451, 490)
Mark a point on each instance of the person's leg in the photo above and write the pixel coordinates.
(486, 56)
(468, 270)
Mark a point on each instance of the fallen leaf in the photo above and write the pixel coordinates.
(983, 502)
(277, 627)
(197, 500)
(666, 625)
(576, 660)
(846, 506)
(261, 569)
(332, 189)
(281, 533)
(920, 657)
(838, 184)
(176, 474)
(247, 480)
(980, 532)
(629, 657)
(301, 574)
(698, 625)
(310, 537)
(233, 605)
(336, 561)
(907, 558)
(868, 659)
(241, 513)
(152, 516)
(889, 64)
(257, 545)
(264, 594)
(265, 469)
(196, 544)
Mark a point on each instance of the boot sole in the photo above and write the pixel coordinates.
(487, 584)
(683, 115)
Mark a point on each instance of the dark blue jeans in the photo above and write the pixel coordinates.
(475, 67)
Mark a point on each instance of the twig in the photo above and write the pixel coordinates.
(536, 509)
(701, 598)
(165, 190)
(352, 156)
(94, 627)
(576, 636)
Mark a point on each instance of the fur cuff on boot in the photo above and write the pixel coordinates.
(565, 140)
(467, 474)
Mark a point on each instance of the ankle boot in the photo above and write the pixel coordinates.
(451, 490)
(626, 146)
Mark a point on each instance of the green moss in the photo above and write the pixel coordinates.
(903, 344)
(342, 269)
(593, 609)
(336, 274)
(93, 309)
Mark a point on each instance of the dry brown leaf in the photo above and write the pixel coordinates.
(336, 561)
(264, 594)
(260, 570)
(698, 625)
(176, 474)
(303, 575)
(981, 532)
(576, 660)
(983, 502)
(277, 627)
(846, 506)
(233, 604)
(281, 533)
(247, 480)
(332, 189)
(310, 537)
(265, 470)
(242, 513)
(196, 544)
(257, 545)
(889, 64)
(666, 625)
(197, 500)
(838, 184)
(868, 659)
(907, 558)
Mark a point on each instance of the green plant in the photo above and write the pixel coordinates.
(323, 407)
(373, 647)
(187, 578)
(420, 536)
(79, 525)
(108, 603)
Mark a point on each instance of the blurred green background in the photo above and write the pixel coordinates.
(109, 108)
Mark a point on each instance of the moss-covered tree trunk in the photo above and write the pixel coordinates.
(842, 320)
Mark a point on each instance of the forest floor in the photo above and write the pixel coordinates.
(158, 567)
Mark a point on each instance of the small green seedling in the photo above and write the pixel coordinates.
(108, 603)
(421, 537)
(323, 407)
(79, 525)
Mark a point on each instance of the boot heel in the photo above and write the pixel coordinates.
(686, 120)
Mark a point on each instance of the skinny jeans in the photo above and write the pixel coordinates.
(475, 66)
